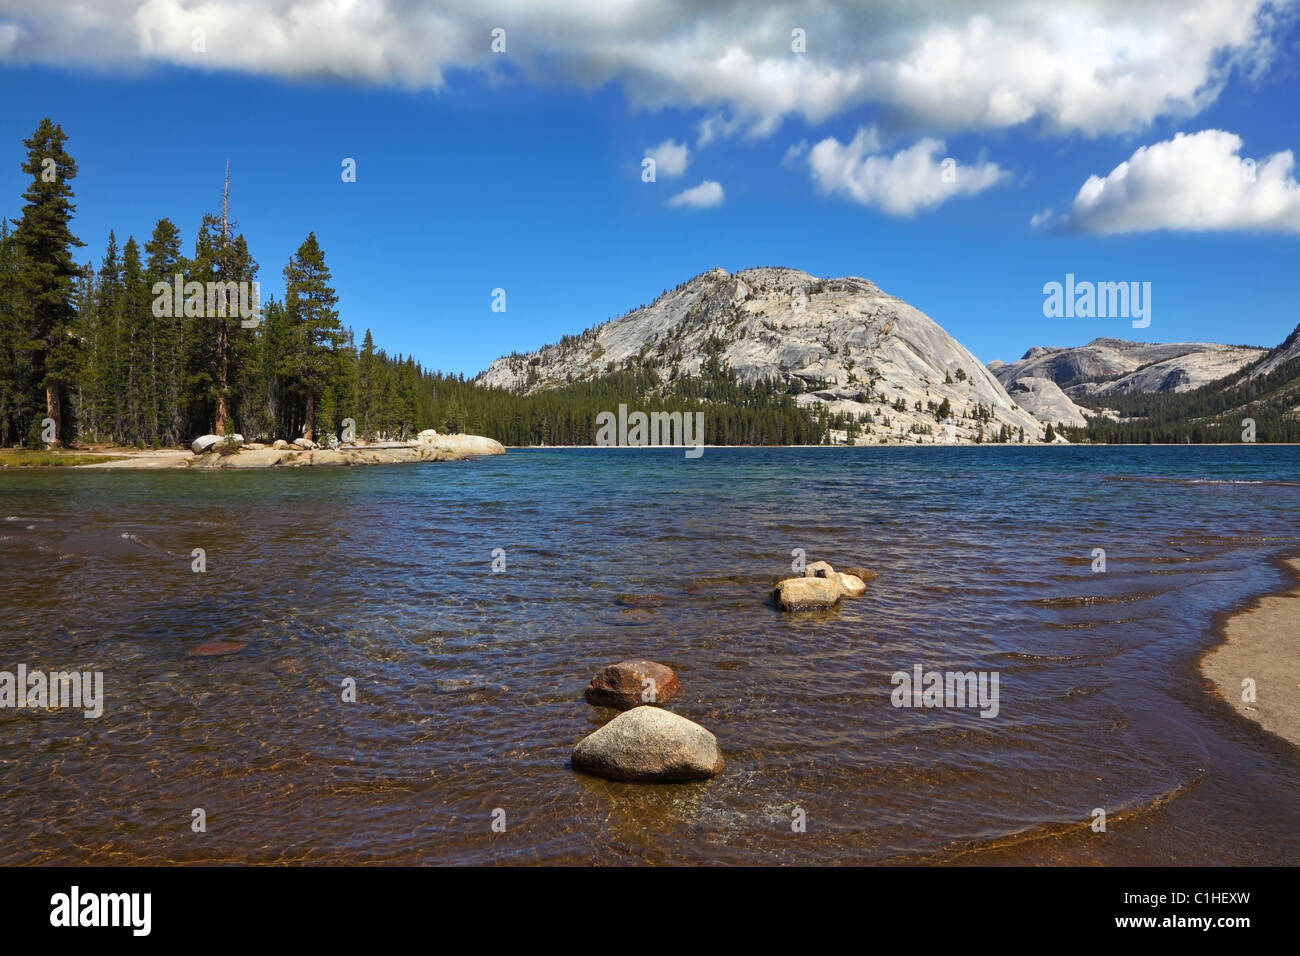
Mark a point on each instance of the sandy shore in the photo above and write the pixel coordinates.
(1262, 642)
(443, 448)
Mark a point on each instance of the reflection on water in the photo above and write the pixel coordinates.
(469, 683)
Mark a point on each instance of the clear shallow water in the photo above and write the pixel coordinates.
(470, 683)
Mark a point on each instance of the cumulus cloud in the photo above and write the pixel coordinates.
(918, 177)
(706, 194)
(1193, 182)
(670, 158)
(1091, 66)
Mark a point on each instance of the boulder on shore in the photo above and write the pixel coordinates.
(651, 745)
(305, 443)
(629, 684)
(427, 437)
(204, 443)
(807, 594)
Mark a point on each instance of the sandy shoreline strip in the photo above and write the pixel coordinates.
(437, 448)
(1262, 642)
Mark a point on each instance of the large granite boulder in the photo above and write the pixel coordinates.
(204, 443)
(808, 594)
(648, 744)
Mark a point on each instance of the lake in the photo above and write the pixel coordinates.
(469, 681)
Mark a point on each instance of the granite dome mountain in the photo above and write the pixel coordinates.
(842, 343)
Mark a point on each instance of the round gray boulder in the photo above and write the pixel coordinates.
(649, 745)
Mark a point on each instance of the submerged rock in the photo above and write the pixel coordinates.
(641, 600)
(624, 685)
(647, 744)
(807, 594)
(214, 648)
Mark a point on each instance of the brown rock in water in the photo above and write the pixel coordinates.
(634, 616)
(213, 648)
(808, 594)
(622, 685)
(649, 745)
(640, 600)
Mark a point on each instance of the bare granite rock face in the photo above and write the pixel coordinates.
(843, 343)
(649, 744)
(1288, 351)
(1043, 399)
(1114, 366)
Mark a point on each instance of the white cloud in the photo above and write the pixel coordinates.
(706, 194)
(1193, 182)
(1092, 66)
(911, 179)
(670, 158)
(795, 154)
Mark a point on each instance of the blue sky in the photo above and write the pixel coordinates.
(523, 172)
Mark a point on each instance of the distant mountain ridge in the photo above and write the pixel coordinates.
(1258, 402)
(1107, 366)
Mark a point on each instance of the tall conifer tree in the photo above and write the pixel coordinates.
(46, 270)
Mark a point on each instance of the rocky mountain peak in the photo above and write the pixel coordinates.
(839, 342)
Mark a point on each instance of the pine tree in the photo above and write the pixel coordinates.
(313, 324)
(136, 331)
(368, 388)
(275, 413)
(167, 345)
(46, 271)
(14, 370)
(105, 364)
(221, 345)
